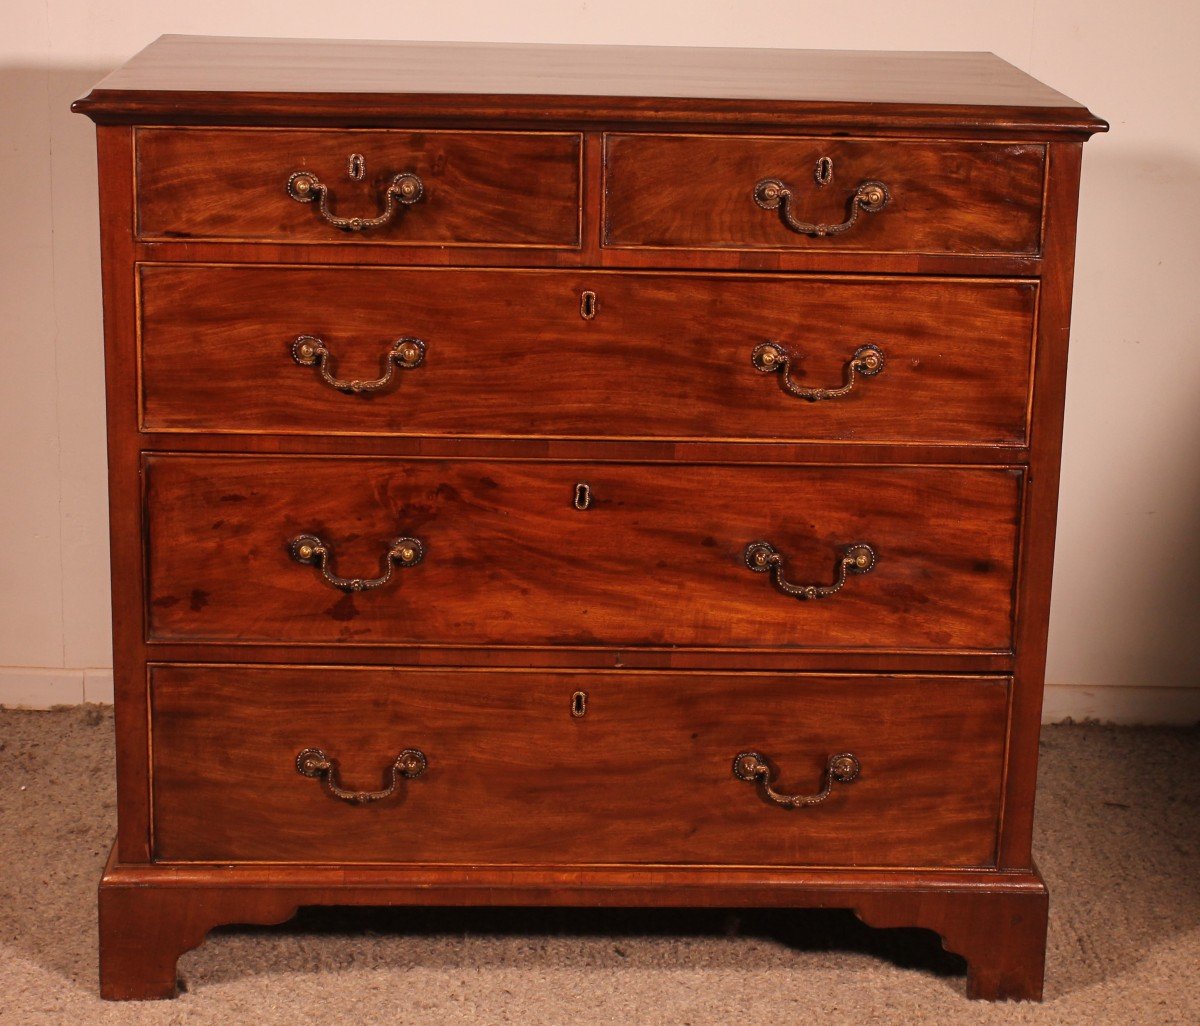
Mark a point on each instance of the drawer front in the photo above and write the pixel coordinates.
(659, 557)
(472, 188)
(508, 353)
(706, 192)
(511, 776)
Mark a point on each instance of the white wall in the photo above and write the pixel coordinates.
(1125, 628)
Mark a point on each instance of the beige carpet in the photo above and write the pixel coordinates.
(1118, 839)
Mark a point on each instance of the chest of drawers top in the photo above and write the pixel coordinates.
(214, 80)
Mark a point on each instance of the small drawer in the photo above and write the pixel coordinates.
(869, 196)
(496, 767)
(376, 551)
(517, 354)
(390, 187)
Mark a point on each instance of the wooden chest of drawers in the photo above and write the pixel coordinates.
(580, 475)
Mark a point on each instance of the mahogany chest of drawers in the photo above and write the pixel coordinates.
(580, 476)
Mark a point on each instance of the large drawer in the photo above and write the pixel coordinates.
(663, 555)
(508, 353)
(879, 196)
(510, 775)
(271, 185)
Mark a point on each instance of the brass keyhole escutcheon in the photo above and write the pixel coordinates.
(356, 166)
(583, 496)
(823, 173)
(579, 702)
(588, 305)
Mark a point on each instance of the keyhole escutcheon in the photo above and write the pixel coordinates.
(579, 704)
(823, 172)
(588, 305)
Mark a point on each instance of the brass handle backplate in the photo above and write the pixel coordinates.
(313, 762)
(762, 557)
(403, 190)
(772, 358)
(869, 198)
(310, 351)
(311, 551)
(750, 766)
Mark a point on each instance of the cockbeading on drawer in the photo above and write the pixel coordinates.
(398, 188)
(860, 195)
(322, 763)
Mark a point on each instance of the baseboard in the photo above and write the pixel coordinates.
(1171, 706)
(31, 687)
(25, 687)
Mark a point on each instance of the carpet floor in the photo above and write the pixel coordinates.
(1118, 835)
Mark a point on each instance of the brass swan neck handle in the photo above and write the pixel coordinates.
(869, 198)
(772, 358)
(842, 768)
(403, 190)
(311, 551)
(762, 557)
(310, 351)
(313, 762)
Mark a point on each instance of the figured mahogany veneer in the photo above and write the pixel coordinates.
(455, 507)
(512, 777)
(480, 188)
(658, 558)
(946, 197)
(509, 354)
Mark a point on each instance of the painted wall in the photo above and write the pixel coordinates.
(1125, 631)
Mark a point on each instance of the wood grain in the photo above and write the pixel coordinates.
(550, 170)
(649, 450)
(366, 252)
(657, 560)
(509, 354)
(482, 188)
(698, 191)
(1002, 936)
(644, 776)
(1037, 554)
(184, 79)
(114, 157)
(997, 921)
(144, 930)
(585, 658)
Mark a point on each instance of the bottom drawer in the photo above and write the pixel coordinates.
(513, 774)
